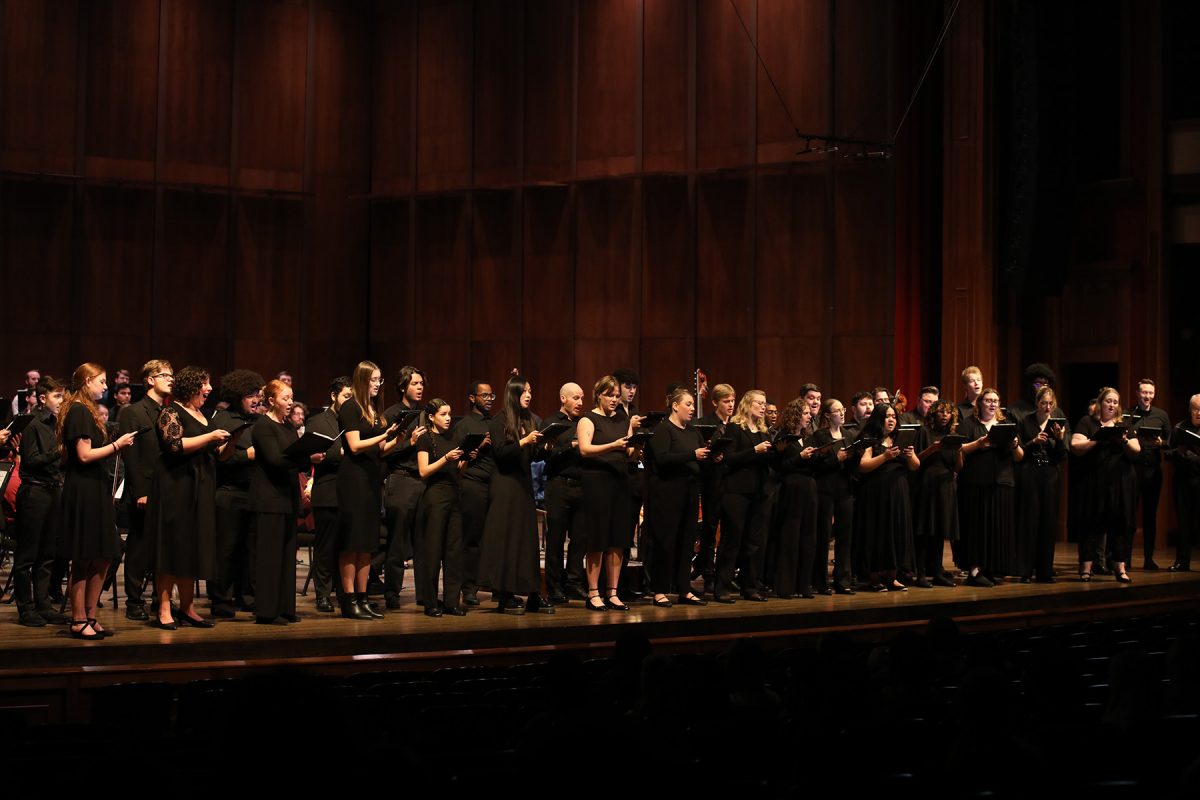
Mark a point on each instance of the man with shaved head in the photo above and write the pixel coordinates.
(476, 476)
(564, 495)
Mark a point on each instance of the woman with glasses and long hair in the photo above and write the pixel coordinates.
(360, 486)
(1038, 487)
(508, 555)
(986, 506)
(88, 532)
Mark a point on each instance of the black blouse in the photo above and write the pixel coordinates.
(674, 451)
(437, 445)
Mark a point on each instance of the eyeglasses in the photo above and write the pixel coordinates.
(377, 381)
(487, 396)
(162, 375)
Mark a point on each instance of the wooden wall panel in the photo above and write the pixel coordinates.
(608, 75)
(499, 26)
(270, 255)
(38, 43)
(393, 69)
(726, 360)
(342, 112)
(548, 265)
(272, 53)
(724, 272)
(193, 305)
(493, 317)
(860, 363)
(668, 277)
(122, 88)
(35, 243)
(863, 95)
(443, 95)
(663, 361)
(791, 291)
(390, 277)
(605, 278)
(547, 364)
(335, 289)
(438, 304)
(785, 363)
(865, 267)
(793, 40)
(113, 284)
(724, 99)
(549, 92)
(595, 358)
(198, 97)
(665, 85)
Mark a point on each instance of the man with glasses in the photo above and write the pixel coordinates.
(476, 478)
(140, 460)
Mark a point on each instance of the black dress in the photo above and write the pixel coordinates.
(359, 485)
(1108, 502)
(607, 498)
(937, 505)
(182, 512)
(883, 516)
(88, 520)
(986, 509)
(508, 554)
(674, 501)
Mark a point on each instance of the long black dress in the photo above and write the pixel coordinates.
(986, 508)
(674, 504)
(607, 498)
(1108, 505)
(359, 485)
(508, 554)
(796, 537)
(883, 516)
(88, 521)
(182, 512)
(1037, 500)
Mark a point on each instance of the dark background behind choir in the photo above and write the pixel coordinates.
(569, 186)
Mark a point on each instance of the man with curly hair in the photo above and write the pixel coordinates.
(233, 583)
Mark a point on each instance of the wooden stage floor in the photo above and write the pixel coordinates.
(407, 638)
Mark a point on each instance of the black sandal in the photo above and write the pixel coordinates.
(1085, 577)
(103, 634)
(79, 634)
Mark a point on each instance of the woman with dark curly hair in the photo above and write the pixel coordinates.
(181, 512)
(936, 514)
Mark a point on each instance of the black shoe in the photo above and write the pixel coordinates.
(684, 600)
(576, 593)
(980, 580)
(364, 605)
(724, 599)
(454, 611)
(710, 586)
(31, 619)
(754, 597)
(840, 589)
(807, 595)
(1179, 568)
(470, 599)
(510, 605)
(559, 600)
(824, 590)
(324, 606)
(375, 587)
(1123, 577)
(223, 612)
(942, 580)
(52, 617)
(155, 622)
(1101, 571)
(595, 603)
(923, 583)
(783, 596)
(1045, 580)
(351, 609)
(613, 601)
(537, 604)
(1150, 565)
(432, 611)
(270, 621)
(291, 619)
(136, 613)
(664, 603)
(393, 602)
(190, 622)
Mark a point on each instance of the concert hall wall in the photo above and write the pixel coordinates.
(564, 186)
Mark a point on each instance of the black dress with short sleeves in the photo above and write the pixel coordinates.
(88, 521)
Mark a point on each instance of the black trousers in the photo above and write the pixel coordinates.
(710, 502)
(674, 505)
(1149, 483)
(400, 497)
(742, 531)
(564, 500)
(473, 501)
(796, 537)
(1037, 520)
(37, 523)
(139, 555)
(325, 552)
(439, 545)
(275, 565)
(835, 520)
(234, 572)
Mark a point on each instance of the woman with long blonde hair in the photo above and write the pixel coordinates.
(743, 527)
(89, 528)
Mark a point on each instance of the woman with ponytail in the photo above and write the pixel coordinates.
(439, 517)
(89, 529)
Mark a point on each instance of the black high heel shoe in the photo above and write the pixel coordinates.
(613, 601)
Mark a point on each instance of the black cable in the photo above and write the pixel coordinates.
(758, 55)
(928, 63)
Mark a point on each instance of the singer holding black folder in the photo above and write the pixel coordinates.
(324, 494)
(360, 487)
(438, 540)
(677, 450)
(835, 502)
(743, 526)
(883, 510)
(1185, 454)
(181, 517)
(1044, 434)
(936, 514)
(796, 537)
(1111, 488)
(88, 536)
(986, 509)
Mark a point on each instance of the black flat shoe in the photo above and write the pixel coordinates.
(613, 601)
(432, 611)
(664, 603)
(808, 595)
(1123, 577)
(825, 591)
(454, 611)
(155, 622)
(511, 605)
(84, 626)
(537, 604)
(470, 599)
(754, 597)
(691, 601)
(324, 606)
(1179, 568)
(980, 581)
(31, 619)
(724, 599)
(223, 612)
(594, 599)
(270, 621)
(923, 583)
(782, 596)
(136, 613)
(191, 622)
(103, 634)
(942, 580)
(1150, 565)
(291, 619)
